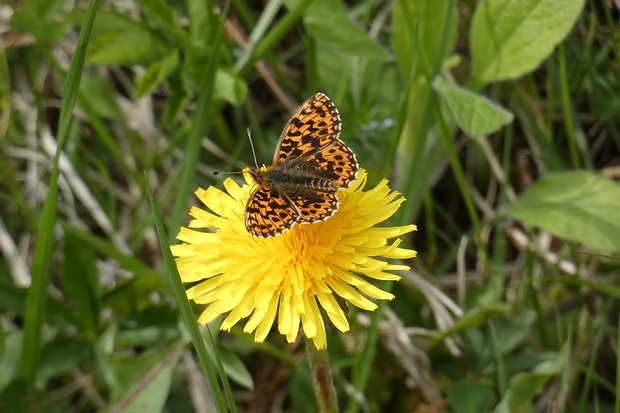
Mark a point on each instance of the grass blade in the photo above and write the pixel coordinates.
(42, 260)
(201, 124)
(186, 311)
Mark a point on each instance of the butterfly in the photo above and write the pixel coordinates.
(310, 164)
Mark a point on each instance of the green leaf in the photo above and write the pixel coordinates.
(471, 396)
(510, 38)
(235, 369)
(101, 96)
(524, 386)
(157, 73)
(22, 396)
(199, 18)
(475, 114)
(579, 206)
(26, 21)
(428, 17)
(12, 339)
(81, 283)
(230, 87)
(44, 9)
(327, 21)
(139, 46)
(61, 356)
(155, 324)
(143, 382)
(107, 21)
(514, 331)
(164, 18)
(178, 97)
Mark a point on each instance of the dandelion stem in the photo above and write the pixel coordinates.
(326, 398)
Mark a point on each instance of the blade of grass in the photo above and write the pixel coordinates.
(502, 377)
(276, 34)
(202, 121)
(42, 260)
(459, 174)
(188, 315)
(496, 284)
(567, 110)
(269, 13)
(107, 249)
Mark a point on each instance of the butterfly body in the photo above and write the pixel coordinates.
(310, 164)
(287, 180)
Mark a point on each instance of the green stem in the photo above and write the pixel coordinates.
(324, 390)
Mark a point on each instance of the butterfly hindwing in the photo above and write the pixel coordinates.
(269, 213)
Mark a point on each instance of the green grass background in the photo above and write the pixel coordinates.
(498, 120)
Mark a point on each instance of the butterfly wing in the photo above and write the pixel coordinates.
(310, 141)
(335, 162)
(315, 206)
(315, 125)
(269, 213)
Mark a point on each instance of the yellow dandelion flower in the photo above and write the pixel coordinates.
(293, 274)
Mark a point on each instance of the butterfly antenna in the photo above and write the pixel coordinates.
(252, 145)
(253, 154)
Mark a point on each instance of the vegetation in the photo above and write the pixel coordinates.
(498, 120)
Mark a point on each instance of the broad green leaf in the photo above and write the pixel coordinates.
(163, 17)
(12, 347)
(475, 114)
(471, 396)
(327, 21)
(139, 46)
(230, 88)
(513, 332)
(199, 17)
(107, 22)
(525, 386)
(157, 73)
(143, 382)
(579, 206)
(427, 18)
(510, 38)
(235, 369)
(166, 19)
(26, 21)
(101, 97)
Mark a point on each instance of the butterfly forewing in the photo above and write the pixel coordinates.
(315, 125)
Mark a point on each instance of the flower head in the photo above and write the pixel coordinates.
(293, 274)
